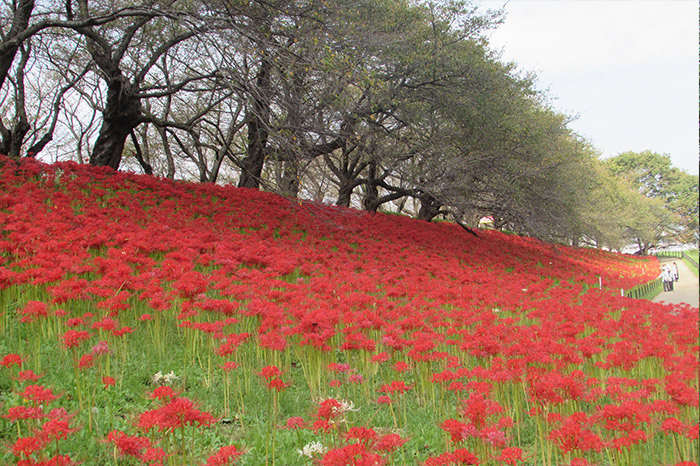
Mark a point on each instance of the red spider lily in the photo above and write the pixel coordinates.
(226, 455)
(38, 394)
(164, 392)
(273, 340)
(673, 425)
(396, 386)
(27, 446)
(631, 437)
(56, 460)
(625, 417)
(389, 442)
(191, 284)
(86, 360)
(328, 409)
(232, 342)
(681, 393)
(363, 434)
(519, 312)
(464, 456)
(122, 331)
(338, 367)
(458, 430)
(101, 348)
(228, 366)
(380, 358)
(580, 462)
(59, 413)
(276, 384)
(15, 413)
(271, 375)
(295, 422)
(107, 324)
(461, 456)
(73, 338)
(574, 435)
(354, 454)
(401, 366)
(75, 322)
(269, 372)
(322, 425)
(477, 409)
(33, 311)
(177, 413)
(493, 436)
(11, 360)
(55, 429)
(154, 456)
(510, 456)
(23, 376)
(108, 381)
(128, 445)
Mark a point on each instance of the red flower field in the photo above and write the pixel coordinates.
(152, 322)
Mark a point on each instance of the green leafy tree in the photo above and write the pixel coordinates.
(654, 176)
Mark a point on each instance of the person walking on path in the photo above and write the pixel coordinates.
(674, 269)
(686, 289)
(667, 278)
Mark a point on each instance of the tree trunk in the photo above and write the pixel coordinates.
(347, 186)
(643, 247)
(170, 160)
(258, 121)
(19, 132)
(429, 207)
(20, 21)
(140, 154)
(121, 115)
(289, 180)
(369, 201)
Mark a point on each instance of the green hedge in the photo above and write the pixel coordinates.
(690, 257)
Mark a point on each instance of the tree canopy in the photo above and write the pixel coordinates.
(671, 189)
(376, 104)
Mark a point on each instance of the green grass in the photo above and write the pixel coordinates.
(693, 254)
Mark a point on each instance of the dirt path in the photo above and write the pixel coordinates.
(685, 290)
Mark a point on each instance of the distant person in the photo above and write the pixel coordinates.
(674, 270)
(663, 276)
(667, 278)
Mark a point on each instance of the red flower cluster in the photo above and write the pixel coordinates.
(479, 326)
(272, 376)
(48, 427)
(175, 413)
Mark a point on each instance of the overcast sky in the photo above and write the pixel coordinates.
(627, 68)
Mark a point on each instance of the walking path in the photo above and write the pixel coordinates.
(685, 290)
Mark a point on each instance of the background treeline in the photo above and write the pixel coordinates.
(381, 104)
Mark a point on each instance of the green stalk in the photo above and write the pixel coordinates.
(267, 433)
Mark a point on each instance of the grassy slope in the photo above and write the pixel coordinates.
(347, 304)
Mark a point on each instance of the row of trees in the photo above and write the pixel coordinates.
(372, 103)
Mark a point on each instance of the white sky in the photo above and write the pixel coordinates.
(627, 68)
